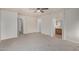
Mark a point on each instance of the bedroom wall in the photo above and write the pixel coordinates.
(49, 22)
(8, 24)
(0, 25)
(29, 24)
(48, 25)
(71, 25)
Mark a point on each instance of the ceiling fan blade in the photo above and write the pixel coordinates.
(44, 8)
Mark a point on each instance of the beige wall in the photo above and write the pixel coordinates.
(0, 25)
(71, 24)
(8, 24)
(46, 24)
(29, 24)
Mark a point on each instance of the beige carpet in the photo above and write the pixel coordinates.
(37, 42)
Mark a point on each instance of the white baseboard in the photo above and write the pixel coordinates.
(75, 40)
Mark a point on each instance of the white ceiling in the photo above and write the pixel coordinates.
(30, 11)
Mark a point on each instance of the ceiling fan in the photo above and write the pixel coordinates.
(40, 10)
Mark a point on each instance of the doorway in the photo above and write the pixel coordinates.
(59, 29)
(20, 26)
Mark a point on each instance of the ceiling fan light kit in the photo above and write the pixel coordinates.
(41, 10)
